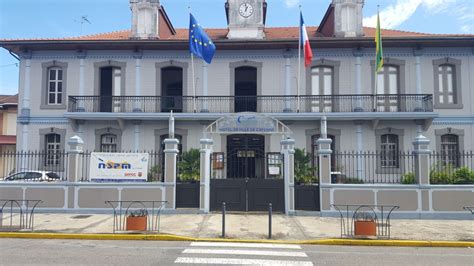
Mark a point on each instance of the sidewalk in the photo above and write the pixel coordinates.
(255, 226)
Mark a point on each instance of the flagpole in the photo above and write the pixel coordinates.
(299, 68)
(192, 74)
(376, 77)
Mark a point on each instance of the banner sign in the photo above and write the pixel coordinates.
(247, 123)
(118, 167)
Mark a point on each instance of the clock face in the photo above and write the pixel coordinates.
(246, 10)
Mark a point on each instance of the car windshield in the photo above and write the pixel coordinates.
(53, 176)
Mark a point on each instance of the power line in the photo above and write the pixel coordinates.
(14, 64)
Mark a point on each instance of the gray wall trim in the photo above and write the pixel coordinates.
(257, 65)
(388, 61)
(457, 80)
(165, 131)
(171, 63)
(109, 63)
(309, 133)
(378, 134)
(453, 131)
(52, 130)
(44, 85)
(327, 63)
(109, 130)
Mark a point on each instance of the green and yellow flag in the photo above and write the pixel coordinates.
(378, 46)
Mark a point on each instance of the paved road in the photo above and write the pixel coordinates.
(25, 251)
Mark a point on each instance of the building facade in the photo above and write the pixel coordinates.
(116, 90)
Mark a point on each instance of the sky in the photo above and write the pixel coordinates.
(61, 18)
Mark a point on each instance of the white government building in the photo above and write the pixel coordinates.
(116, 90)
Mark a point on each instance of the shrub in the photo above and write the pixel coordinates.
(189, 166)
(441, 173)
(154, 173)
(463, 176)
(351, 180)
(408, 178)
(304, 172)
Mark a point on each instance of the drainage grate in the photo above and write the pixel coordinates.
(81, 216)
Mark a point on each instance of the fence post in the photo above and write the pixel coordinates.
(171, 152)
(75, 159)
(205, 172)
(422, 159)
(288, 151)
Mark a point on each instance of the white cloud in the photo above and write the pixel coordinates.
(291, 3)
(399, 12)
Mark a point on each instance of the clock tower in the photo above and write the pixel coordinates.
(246, 19)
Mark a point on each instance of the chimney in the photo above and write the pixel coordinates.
(348, 18)
(145, 17)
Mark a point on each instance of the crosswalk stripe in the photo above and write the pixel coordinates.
(244, 245)
(186, 260)
(245, 252)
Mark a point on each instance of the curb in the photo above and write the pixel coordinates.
(168, 237)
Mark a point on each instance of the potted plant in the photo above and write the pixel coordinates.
(137, 220)
(365, 224)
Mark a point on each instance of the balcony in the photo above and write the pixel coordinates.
(367, 103)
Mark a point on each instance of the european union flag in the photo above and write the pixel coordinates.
(199, 43)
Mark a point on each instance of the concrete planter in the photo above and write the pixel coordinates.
(136, 223)
(365, 228)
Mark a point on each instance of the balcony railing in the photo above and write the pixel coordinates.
(263, 104)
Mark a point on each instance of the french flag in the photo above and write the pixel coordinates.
(308, 53)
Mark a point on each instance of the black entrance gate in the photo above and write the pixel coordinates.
(246, 178)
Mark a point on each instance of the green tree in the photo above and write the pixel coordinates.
(304, 172)
(189, 166)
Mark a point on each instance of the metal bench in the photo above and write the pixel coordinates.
(25, 218)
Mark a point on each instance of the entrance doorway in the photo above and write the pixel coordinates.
(110, 88)
(247, 178)
(245, 156)
(245, 89)
(172, 89)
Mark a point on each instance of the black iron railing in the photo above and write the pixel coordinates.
(373, 167)
(34, 166)
(263, 104)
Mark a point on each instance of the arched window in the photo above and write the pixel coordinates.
(322, 83)
(446, 84)
(389, 150)
(52, 149)
(108, 143)
(450, 149)
(55, 86)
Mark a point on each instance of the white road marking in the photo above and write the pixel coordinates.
(240, 261)
(245, 252)
(244, 245)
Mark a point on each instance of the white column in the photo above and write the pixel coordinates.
(138, 91)
(360, 147)
(27, 87)
(81, 83)
(418, 90)
(205, 175)
(288, 151)
(171, 152)
(136, 134)
(205, 89)
(76, 146)
(358, 82)
(287, 82)
(418, 74)
(25, 109)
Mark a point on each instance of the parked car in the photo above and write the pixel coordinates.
(40, 176)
